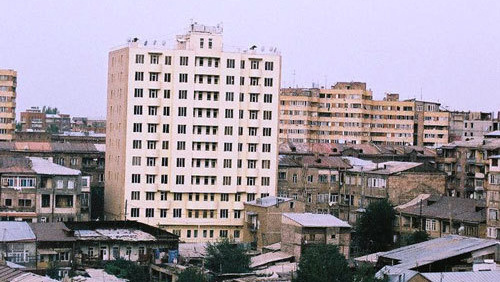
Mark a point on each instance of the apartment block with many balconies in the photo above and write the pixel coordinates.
(191, 133)
(347, 113)
(8, 84)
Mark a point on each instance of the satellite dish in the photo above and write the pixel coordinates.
(145, 43)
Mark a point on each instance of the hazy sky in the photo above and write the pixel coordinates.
(448, 50)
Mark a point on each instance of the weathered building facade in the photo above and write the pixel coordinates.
(263, 217)
(347, 113)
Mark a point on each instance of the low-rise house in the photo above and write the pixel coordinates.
(10, 274)
(263, 218)
(18, 243)
(300, 230)
(37, 190)
(449, 253)
(109, 240)
(433, 213)
(55, 244)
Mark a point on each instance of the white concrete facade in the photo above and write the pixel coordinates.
(209, 133)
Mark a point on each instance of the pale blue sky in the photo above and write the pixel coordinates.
(449, 49)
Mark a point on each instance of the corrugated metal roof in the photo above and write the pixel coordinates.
(267, 258)
(436, 249)
(52, 231)
(316, 220)
(11, 231)
(467, 276)
(118, 234)
(15, 275)
(43, 166)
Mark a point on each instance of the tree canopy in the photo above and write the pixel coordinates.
(226, 257)
(127, 269)
(322, 263)
(192, 274)
(374, 230)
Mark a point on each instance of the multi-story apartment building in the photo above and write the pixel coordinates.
(8, 84)
(347, 113)
(37, 190)
(86, 157)
(469, 125)
(492, 148)
(191, 133)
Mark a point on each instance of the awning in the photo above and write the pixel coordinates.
(46, 252)
(18, 214)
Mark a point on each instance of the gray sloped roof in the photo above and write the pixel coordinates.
(316, 220)
(467, 276)
(436, 249)
(12, 231)
(43, 166)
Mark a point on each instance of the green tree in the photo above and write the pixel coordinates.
(322, 263)
(192, 274)
(366, 273)
(226, 257)
(53, 129)
(414, 238)
(127, 270)
(374, 230)
(52, 271)
(50, 110)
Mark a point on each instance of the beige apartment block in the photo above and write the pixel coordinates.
(347, 113)
(191, 133)
(8, 84)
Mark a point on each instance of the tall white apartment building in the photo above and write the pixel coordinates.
(191, 133)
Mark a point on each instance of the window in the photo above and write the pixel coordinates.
(167, 77)
(135, 195)
(183, 61)
(266, 164)
(268, 82)
(202, 42)
(265, 181)
(254, 81)
(154, 59)
(430, 225)
(267, 115)
(224, 197)
(224, 213)
(251, 181)
(179, 179)
(150, 212)
(136, 178)
(183, 77)
(230, 80)
(266, 131)
(268, 98)
(210, 43)
(139, 59)
(182, 111)
(493, 214)
(59, 184)
(163, 213)
(134, 212)
(181, 129)
(222, 233)
(150, 178)
(182, 94)
(151, 144)
(229, 96)
(177, 213)
(228, 147)
(250, 197)
(153, 76)
(266, 148)
(268, 66)
(45, 201)
(230, 63)
(168, 60)
(254, 64)
(150, 196)
(177, 196)
(252, 131)
(137, 127)
(254, 97)
(138, 92)
(24, 202)
(253, 114)
(228, 113)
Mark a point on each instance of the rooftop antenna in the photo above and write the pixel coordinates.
(421, 94)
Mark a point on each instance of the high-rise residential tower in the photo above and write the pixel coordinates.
(191, 133)
(8, 84)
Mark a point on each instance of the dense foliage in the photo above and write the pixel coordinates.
(414, 238)
(127, 270)
(192, 274)
(322, 263)
(226, 257)
(374, 230)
